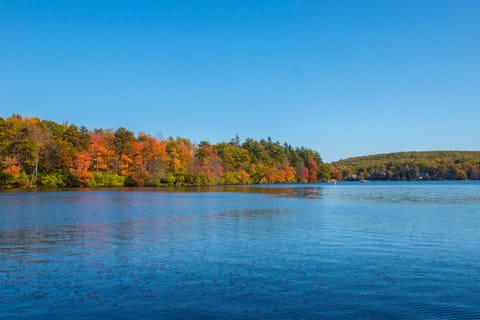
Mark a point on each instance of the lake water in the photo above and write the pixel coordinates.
(346, 251)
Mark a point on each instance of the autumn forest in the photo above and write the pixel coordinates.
(43, 153)
(36, 152)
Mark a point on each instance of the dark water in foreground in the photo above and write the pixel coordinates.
(386, 251)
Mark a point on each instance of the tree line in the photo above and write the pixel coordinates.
(428, 165)
(35, 152)
(43, 153)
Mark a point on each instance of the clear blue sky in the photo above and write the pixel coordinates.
(343, 77)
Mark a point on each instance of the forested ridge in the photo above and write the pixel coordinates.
(35, 152)
(426, 165)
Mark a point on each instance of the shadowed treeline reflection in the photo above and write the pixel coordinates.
(287, 191)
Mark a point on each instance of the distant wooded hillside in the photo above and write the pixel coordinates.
(428, 165)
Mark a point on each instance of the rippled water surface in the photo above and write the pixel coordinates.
(347, 251)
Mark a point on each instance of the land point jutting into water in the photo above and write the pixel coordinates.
(43, 153)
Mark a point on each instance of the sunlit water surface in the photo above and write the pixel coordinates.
(347, 251)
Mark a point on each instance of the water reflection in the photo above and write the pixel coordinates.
(236, 252)
(286, 191)
(253, 212)
(419, 193)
